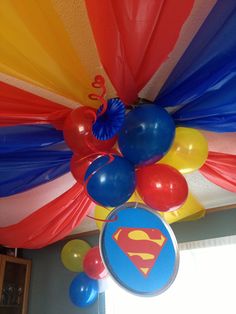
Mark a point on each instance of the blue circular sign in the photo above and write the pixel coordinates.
(139, 249)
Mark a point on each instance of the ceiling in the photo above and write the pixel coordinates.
(208, 194)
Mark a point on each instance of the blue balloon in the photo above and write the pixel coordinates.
(111, 180)
(147, 134)
(83, 290)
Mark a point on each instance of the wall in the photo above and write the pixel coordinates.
(213, 225)
(50, 280)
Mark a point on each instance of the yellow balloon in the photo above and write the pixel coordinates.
(136, 198)
(73, 253)
(190, 210)
(102, 212)
(188, 152)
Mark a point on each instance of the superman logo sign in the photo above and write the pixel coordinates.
(141, 245)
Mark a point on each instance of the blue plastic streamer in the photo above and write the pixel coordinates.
(22, 171)
(31, 155)
(28, 137)
(201, 113)
(203, 82)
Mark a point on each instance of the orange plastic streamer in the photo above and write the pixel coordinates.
(37, 44)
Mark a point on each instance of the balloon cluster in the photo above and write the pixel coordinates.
(147, 165)
(78, 256)
(153, 155)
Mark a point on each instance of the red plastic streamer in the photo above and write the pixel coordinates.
(221, 142)
(20, 107)
(50, 223)
(135, 37)
(221, 169)
(103, 220)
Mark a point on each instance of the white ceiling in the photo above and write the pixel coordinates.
(209, 194)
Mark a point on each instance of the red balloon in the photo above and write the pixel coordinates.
(93, 264)
(161, 187)
(78, 133)
(79, 166)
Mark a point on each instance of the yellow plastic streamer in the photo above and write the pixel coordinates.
(50, 44)
(190, 210)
